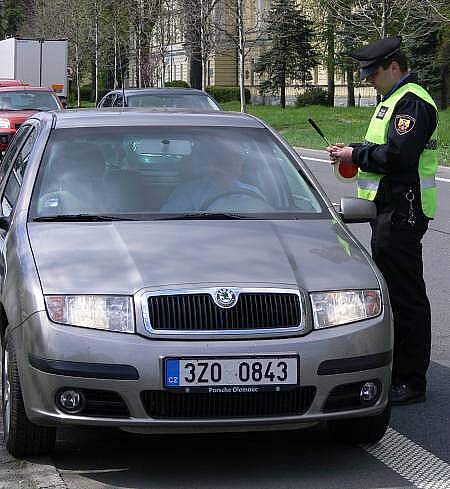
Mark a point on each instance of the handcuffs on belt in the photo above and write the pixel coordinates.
(410, 198)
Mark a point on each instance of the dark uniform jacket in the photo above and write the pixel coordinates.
(398, 160)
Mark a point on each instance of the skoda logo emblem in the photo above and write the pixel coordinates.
(225, 297)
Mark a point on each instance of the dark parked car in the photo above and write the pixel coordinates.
(182, 272)
(181, 98)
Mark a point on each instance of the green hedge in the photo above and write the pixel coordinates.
(227, 94)
(85, 93)
(312, 96)
(177, 83)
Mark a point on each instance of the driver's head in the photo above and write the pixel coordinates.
(224, 161)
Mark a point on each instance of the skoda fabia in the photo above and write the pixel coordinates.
(182, 272)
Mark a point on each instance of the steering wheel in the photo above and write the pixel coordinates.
(238, 191)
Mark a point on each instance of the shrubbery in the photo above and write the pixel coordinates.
(85, 94)
(177, 84)
(227, 94)
(312, 96)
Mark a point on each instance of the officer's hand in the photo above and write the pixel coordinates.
(333, 148)
(341, 153)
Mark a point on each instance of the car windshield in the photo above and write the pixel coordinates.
(28, 100)
(180, 101)
(171, 173)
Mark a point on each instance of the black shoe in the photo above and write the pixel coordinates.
(405, 394)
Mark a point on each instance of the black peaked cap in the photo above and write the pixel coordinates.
(373, 55)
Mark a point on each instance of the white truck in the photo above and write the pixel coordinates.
(37, 62)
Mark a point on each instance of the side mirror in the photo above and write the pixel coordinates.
(357, 210)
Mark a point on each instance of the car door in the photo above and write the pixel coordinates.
(11, 175)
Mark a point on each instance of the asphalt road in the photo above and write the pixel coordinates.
(415, 453)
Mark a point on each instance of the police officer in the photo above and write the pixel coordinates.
(397, 164)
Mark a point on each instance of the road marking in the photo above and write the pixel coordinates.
(315, 159)
(411, 461)
(440, 179)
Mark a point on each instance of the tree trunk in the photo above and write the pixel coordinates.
(241, 49)
(330, 59)
(194, 43)
(96, 53)
(115, 56)
(444, 87)
(350, 87)
(205, 73)
(77, 71)
(283, 90)
(241, 81)
(383, 19)
(94, 81)
(196, 72)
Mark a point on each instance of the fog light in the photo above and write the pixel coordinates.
(71, 400)
(369, 392)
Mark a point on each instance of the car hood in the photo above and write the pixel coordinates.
(17, 116)
(124, 257)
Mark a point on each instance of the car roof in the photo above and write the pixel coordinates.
(160, 91)
(148, 117)
(21, 88)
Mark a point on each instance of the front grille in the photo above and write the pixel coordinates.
(180, 405)
(105, 404)
(198, 312)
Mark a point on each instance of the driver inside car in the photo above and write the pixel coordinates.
(214, 183)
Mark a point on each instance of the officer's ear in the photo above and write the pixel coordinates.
(395, 67)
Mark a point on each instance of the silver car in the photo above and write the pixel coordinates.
(181, 98)
(175, 272)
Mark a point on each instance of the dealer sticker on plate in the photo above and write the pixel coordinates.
(262, 371)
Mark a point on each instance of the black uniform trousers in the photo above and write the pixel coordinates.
(397, 251)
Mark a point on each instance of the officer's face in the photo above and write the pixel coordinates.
(384, 79)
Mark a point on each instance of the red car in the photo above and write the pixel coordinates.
(18, 103)
(11, 83)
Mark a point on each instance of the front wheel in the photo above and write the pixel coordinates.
(21, 436)
(369, 429)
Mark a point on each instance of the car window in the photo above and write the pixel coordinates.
(28, 100)
(187, 101)
(155, 171)
(15, 178)
(13, 146)
(108, 100)
(119, 101)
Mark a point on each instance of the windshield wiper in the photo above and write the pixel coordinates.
(81, 218)
(203, 215)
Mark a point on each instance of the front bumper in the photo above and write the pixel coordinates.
(64, 356)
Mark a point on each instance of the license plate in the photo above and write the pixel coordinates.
(231, 371)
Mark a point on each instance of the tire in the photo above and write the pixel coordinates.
(21, 436)
(361, 430)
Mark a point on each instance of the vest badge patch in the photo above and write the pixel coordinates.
(404, 124)
(382, 112)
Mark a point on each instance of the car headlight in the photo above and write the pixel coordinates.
(111, 313)
(5, 124)
(346, 306)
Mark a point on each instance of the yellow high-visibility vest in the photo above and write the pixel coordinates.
(377, 133)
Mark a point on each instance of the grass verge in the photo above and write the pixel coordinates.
(339, 124)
